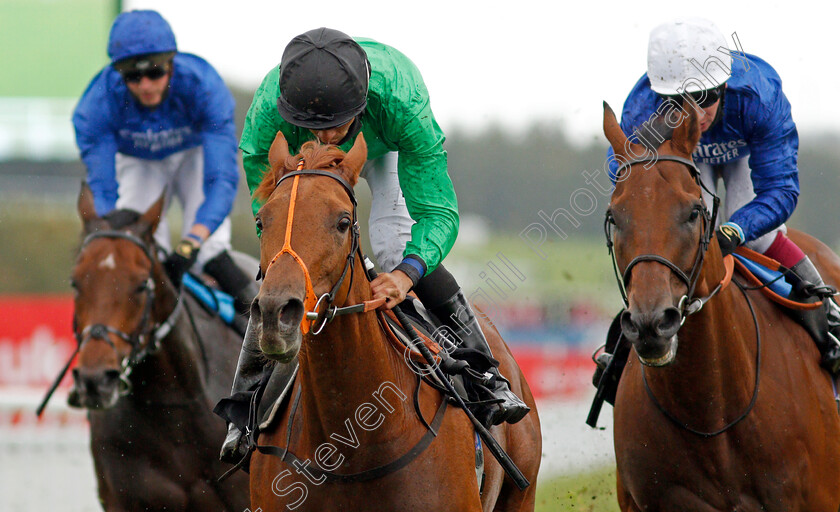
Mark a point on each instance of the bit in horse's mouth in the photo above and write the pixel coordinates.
(667, 358)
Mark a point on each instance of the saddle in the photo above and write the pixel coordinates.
(214, 301)
(763, 273)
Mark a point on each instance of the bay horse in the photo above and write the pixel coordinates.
(150, 366)
(722, 405)
(354, 409)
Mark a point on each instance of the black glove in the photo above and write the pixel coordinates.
(729, 237)
(181, 259)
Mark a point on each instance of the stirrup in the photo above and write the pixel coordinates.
(232, 451)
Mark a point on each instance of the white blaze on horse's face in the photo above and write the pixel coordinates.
(109, 262)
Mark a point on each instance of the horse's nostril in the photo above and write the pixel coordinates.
(669, 322)
(628, 327)
(256, 312)
(292, 312)
(110, 376)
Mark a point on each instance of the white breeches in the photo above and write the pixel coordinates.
(141, 182)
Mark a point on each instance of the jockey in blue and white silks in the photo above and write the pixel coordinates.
(157, 120)
(754, 129)
(748, 138)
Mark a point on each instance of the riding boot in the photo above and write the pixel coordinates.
(458, 316)
(233, 281)
(249, 371)
(822, 323)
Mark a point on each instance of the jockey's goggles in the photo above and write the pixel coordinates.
(135, 75)
(704, 99)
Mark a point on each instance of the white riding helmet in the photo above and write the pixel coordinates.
(683, 57)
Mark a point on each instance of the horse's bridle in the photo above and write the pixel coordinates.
(139, 351)
(688, 304)
(316, 318)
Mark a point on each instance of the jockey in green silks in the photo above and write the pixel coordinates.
(331, 87)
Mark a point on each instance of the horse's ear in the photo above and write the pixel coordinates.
(355, 159)
(687, 134)
(615, 135)
(86, 207)
(613, 131)
(279, 152)
(148, 222)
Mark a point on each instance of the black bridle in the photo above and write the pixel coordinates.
(688, 304)
(144, 330)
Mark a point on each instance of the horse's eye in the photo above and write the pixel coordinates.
(344, 224)
(74, 284)
(259, 224)
(695, 213)
(142, 287)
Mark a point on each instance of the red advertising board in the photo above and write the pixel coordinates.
(36, 339)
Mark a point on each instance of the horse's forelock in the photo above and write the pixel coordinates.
(119, 219)
(315, 156)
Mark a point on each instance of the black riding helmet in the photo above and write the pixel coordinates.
(323, 80)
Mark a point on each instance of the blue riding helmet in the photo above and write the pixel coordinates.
(138, 33)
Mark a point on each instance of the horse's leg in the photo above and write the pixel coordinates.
(625, 501)
(522, 441)
(511, 499)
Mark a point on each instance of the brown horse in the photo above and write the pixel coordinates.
(150, 367)
(355, 410)
(740, 417)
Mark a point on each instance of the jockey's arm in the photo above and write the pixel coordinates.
(774, 147)
(221, 171)
(98, 146)
(429, 194)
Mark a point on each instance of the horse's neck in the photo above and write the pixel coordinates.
(351, 364)
(714, 370)
(173, 373)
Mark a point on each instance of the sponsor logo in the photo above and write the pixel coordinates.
(157, 140)
(720, 152)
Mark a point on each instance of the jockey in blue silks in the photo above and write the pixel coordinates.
(156, 119)
(748, 138)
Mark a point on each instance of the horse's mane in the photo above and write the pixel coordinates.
(315, 156)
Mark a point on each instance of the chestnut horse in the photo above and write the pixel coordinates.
(730, 410)
(150, 367)
(354, 407)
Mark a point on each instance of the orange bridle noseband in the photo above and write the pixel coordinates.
(312, 303)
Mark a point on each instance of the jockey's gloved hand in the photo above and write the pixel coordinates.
(730, 236)
(181, 259)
